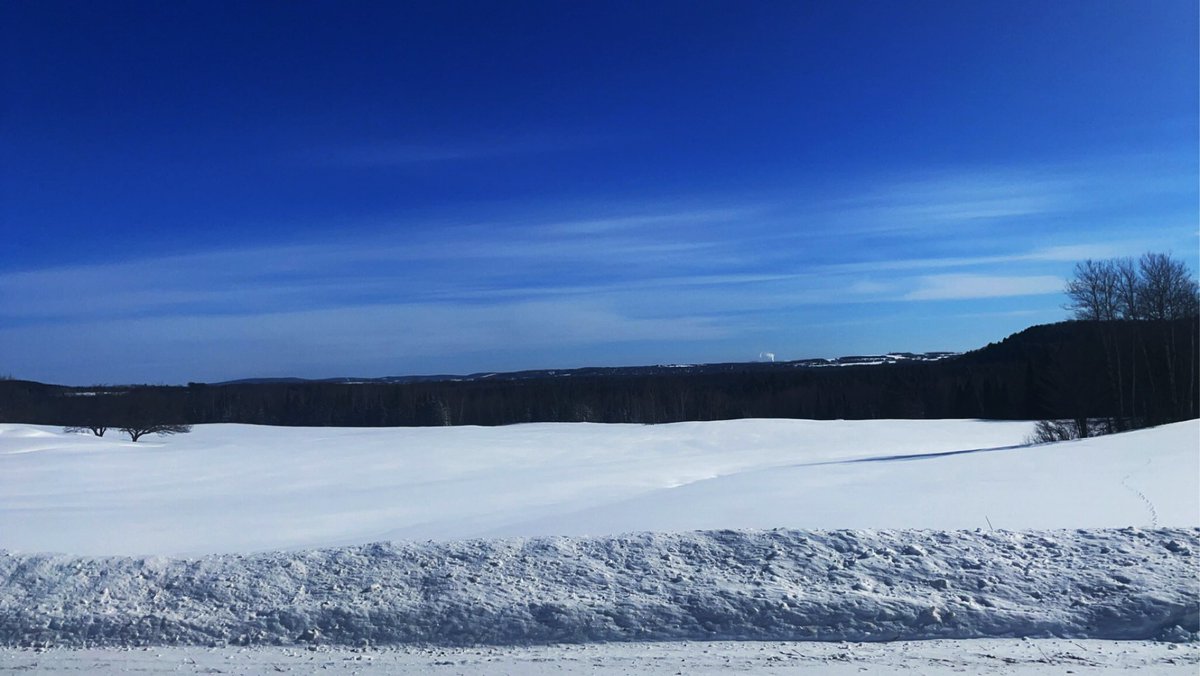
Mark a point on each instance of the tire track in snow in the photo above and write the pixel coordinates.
(1149, 505)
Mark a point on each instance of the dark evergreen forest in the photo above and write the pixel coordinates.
(1131, 372)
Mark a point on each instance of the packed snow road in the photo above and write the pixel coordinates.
(1010, 657)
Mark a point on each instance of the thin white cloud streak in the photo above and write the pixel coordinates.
(974, 209)
(316, 276)
(1062, 253)
(976, 200)
(1003, 313)
(435, 263)
(661, 284)
(679, 272)
(433, 241)
(935, 205)
(686, 218)
(968, 287)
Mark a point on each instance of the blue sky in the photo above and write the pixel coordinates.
(207, 191)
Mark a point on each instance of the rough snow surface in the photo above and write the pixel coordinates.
(933, 658)
(716, 585)
(241, 488)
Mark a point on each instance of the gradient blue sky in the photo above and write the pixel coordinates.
(207, 191)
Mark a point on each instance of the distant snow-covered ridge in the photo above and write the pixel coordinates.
(623, 371)
(713, 585)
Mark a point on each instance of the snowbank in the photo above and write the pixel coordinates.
(766, 585)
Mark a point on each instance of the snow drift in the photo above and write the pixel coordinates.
(770, 585)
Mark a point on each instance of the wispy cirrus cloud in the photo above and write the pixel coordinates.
(1079, 198)
(964, 201)
(665, 275)
(462, 263)
(1049, 254)
(967, 286)
(651, 259)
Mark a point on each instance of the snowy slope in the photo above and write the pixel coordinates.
(239, 488)
(1148, 478)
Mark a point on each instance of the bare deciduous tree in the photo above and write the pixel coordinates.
(1128, 284)
(136, 432)
(1094, 291)
(97, 429)
(1158, 288)
(1167, 289)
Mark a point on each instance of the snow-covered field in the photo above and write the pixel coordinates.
(240, 488)
(909, 530)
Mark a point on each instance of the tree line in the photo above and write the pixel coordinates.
(1150, 373)
(1128, 359)
(1055, 371)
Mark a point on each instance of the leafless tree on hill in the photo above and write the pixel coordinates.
(98, 430)
(1158, 288)
(136, 432)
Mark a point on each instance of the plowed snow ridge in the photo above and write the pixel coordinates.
(765, 585)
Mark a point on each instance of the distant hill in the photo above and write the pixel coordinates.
(1138, 372)
(602, 371)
